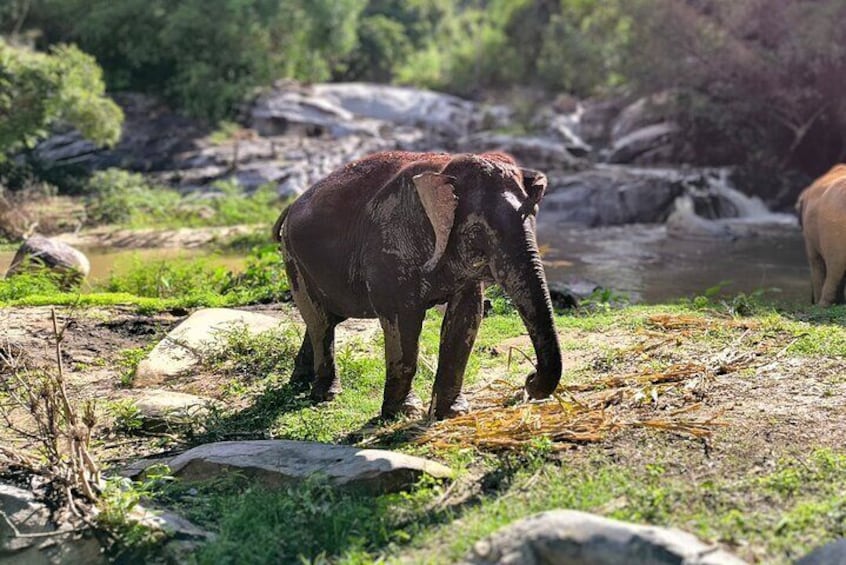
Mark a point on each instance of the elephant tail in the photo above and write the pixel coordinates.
(799, 205)
(277, 227)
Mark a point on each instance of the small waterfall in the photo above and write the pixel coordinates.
(747, 207)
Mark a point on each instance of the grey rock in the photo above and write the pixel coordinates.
(181, 350)
(650, 145)
(59, 545)
(608, 196)
(167, 410)
(282, 462)
(293, 109)
(400, 105)
(833, 553)
(641, 113)
(39, 252)
(567, 537)
(152, 137)
(531, 151)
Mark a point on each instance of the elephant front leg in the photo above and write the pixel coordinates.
(402, 335)
(458, 333)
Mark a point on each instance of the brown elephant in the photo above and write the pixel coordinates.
(395, 233)
(822, 216)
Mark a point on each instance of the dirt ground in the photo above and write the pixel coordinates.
(772, 404)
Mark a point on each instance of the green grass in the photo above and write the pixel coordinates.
(775, 511)
(154, 286)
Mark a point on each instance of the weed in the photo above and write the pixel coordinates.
(128, 361)
(127, 417)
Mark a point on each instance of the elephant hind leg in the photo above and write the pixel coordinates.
(303, 373)
(318, 346)
(817, 264)
(832, 288)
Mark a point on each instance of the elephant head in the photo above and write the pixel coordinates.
(493, 203)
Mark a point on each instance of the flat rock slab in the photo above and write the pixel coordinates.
(181, 349)
(42, 540)
(833, 553)
(163, 410)
(563, 537)
(281, 462)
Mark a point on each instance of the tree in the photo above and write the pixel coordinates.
(38, 90)
(205, 55)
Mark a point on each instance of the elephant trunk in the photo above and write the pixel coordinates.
(522, 277)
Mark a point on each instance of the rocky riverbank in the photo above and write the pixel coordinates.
(292, 135)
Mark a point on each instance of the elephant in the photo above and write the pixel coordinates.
(396, 233)
(822, 217)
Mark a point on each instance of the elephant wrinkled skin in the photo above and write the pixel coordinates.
(395, 233)
(822, 215)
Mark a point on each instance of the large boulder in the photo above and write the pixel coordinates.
(183, 348)
(644, 133)
(41, 541)
(541, 153)
(152, 138)
(608, 196)
(39, 252)
(282, 462)
(651, 145)
(567, 537)
(404, 106)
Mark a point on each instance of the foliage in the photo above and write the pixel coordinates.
(756, 82)
(38, 90)
(116, 196)
(26, 284)
(205, 55)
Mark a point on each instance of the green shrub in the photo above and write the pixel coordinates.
(26, 284)
(120, 197)
(170, 278)
(116, 196)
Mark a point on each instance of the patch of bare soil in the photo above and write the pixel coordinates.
(181, 238)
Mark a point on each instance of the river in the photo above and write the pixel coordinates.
(643, 262)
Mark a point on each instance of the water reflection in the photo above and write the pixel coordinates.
(652, 266)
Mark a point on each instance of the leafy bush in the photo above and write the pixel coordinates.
(170, 278)
(26, 284)
(119, 197)
(40, 89)
(204, 55)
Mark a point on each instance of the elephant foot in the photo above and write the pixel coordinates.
(322, 392)
(411, 406)
(458, 407)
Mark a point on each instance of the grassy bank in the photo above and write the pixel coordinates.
(766, 384)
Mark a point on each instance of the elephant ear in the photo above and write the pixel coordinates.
(437, 194)
(535, 183)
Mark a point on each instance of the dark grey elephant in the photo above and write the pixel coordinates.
(396, 233)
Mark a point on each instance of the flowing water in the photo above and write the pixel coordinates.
(642, 261)
(651, 266)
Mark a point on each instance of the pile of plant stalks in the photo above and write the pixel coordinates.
(503, 419)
